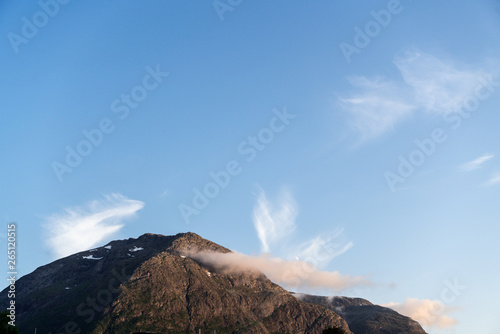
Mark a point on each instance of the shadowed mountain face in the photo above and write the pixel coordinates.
(146, 284)
(365, 318)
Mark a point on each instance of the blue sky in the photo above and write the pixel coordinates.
(368, 129)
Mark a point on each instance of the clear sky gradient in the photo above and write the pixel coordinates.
(369, 127)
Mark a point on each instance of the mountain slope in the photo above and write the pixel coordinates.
(146, 284)
(364, 317)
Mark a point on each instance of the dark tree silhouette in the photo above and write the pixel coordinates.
(332, 330)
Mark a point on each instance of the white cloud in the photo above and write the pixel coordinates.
(476, 163)
(429, 84)
(290, 274)
(322, 249)
(273, 223)
(83, 227)
(493, 180)
(429, 313)
(440, 85)
(377, 107)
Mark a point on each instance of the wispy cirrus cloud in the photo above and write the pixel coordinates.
(495, 179)
(429, 313)
(476, 163)
(431, 84)
(274, 221)
(83, 227)
(323, 248)
(377, 106)
(439, 84)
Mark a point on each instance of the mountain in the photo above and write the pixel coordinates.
(150, 284)
(146, 284)
(364, 317)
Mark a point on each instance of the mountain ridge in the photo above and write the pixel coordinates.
(148, 284)
(362, 316)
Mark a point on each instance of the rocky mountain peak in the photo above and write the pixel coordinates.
(150, 284)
